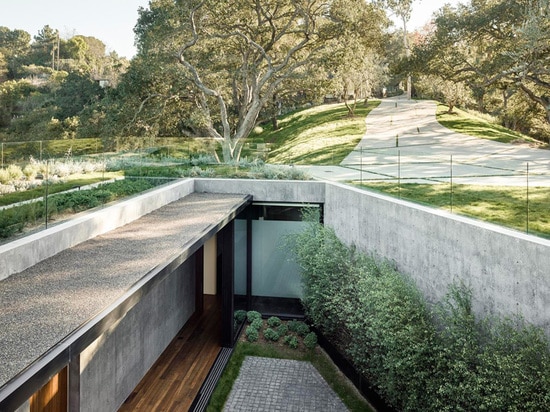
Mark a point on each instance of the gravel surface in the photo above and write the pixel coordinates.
(43, 304)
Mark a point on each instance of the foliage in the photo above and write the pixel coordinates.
(240, 315)
(253, 315)
(499, 51)
(419, 357)
(310, 340)
(271, 334)
(257, 324)
(274, 321)
(263, 50)
(252, 333)
(291, 341)
(14, 219)
(298, 327)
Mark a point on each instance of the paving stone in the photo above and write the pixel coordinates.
(270, 385)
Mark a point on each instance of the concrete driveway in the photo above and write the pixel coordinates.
(405, 142)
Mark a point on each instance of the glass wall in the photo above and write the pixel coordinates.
(267, 278)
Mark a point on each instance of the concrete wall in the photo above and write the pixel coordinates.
(508, 271)
(266, 190)
(21, 254)
(113, 365)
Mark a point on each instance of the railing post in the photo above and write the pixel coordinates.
(527, 199)
(451, 183)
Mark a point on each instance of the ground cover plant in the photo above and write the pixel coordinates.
(16, 219)
(418, 356)
(504, 205)
(294, 340)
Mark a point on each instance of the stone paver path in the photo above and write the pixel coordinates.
(268, 385)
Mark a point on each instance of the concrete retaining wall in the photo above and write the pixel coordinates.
(114, 364)
(508, 271)
(23, 253)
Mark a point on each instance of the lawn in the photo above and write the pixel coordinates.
(469, 124)
(503, 205)
(319, 135)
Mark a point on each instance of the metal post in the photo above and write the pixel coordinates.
(2, 155)
(399, 173)
(46, 196)
(451, 182)
(361, 163)
(527, 200)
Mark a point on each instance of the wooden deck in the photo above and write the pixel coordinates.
(175, 379)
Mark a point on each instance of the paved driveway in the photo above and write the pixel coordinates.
(404, 141)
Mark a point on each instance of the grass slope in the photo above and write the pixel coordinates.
(320, 135)
(478, 126)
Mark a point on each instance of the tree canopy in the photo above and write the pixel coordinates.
(235, 57)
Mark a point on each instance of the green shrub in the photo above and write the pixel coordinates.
(251, 333)
(418, 357)
(271, 334)
(310, 340)
(252, 315)
(282, 329)
(274, 321)
(291, 341)
(298, 327)
(257, 324)
(239, 316)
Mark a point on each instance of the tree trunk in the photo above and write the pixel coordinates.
(275, 122)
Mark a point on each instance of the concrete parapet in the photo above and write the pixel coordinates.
(293, 191)
(23, 253)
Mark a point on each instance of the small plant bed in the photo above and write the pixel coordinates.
(275, 338)
(19, 219)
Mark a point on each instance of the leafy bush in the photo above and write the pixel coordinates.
(282, 329)
(298, 327)
(310, 340)
(271, 334)
(240, 315)
(291, 341)
(252, 315)
(418, 357)
(252, 334)
(257, 324)
(274, 321)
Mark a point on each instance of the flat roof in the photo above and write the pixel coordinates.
(53, 299)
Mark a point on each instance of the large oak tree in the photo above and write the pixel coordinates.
(233, 57)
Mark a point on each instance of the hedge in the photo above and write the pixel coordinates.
(418, 356)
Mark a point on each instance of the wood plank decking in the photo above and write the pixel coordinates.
(176, 377)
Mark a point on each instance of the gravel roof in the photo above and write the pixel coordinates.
(43, 304)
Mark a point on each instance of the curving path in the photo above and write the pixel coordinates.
(405, 141)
